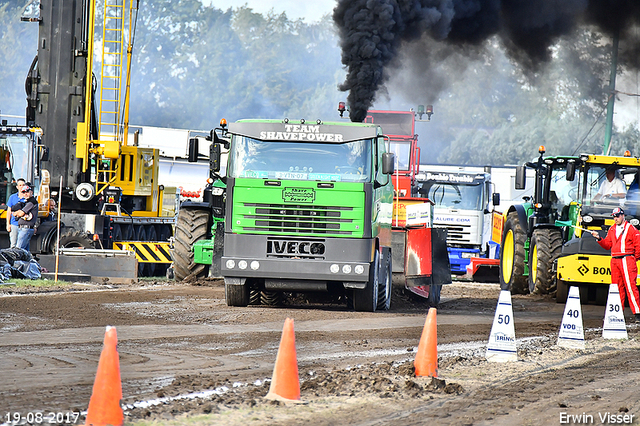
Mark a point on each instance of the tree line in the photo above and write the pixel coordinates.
(194, 64)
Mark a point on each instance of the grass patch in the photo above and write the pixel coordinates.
(36, 283)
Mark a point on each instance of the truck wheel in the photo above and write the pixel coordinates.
(512, 256)
(191, 225)
(434, 295)
(75, 239)
(236, 295)
(385, 287)
(562, 292)
(544, 249)
(366, 299)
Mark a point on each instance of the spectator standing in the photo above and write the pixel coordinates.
(12, 222)
(27, 216)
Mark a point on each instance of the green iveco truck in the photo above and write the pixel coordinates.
(308, 208)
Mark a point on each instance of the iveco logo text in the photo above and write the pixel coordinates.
(295, 247)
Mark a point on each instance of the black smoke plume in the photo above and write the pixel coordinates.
(373, 32)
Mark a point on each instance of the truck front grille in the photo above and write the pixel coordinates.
(457, 234)
(297, 218)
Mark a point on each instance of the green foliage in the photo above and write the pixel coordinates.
(195, 64)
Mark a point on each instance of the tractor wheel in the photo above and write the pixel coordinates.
(512, 256)
(544, 249)
(192, 225)
(272, 298)
(366, 299)
(218, 243)
(562, 292)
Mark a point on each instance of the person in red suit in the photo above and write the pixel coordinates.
(623, 239)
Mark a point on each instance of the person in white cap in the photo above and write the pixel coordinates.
(623, 239)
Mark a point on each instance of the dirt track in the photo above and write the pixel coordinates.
(355, 368)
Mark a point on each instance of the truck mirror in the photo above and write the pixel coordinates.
(571, 170)
(495, 198)
(44, 153)
(214, 157)
(521, 176)
(220, 141)
(388, 163)
(193, 150)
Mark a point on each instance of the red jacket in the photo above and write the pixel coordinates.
(628, 243)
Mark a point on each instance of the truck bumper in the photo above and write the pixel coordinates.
(297, 258)
(459, 258)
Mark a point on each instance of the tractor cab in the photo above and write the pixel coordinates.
(609, 182)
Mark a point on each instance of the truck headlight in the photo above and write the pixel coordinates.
(255, 265)
(231, 264)
(334, 268)
(466, 255)
(346, 269)
(359, 269)
(587, 219)
(242, 264)
(217, 191)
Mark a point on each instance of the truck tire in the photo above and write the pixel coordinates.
(236, 295)
(544, 249)
(562, 292)
(434, 295)
(191, 225)
(366, 299)
(512, 256)
(75, 239)
(385, 285)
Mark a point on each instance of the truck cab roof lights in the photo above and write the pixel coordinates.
(627, 153)
(541, 149)
(223, 123)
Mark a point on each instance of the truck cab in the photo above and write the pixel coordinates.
(308, 208)
(463, 206)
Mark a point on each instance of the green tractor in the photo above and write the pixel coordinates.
(199, 229)
(534, 232)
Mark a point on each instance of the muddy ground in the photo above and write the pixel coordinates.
(187, 358)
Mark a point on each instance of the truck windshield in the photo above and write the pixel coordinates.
(402, 150)
(455, 196)
(347, 162)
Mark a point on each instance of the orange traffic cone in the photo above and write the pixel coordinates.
(426, 362)
(104, 406)
(285, 383)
